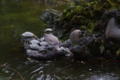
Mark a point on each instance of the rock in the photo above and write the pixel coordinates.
(113, 30)
(92, 21)
(66, 44)
(49, 16)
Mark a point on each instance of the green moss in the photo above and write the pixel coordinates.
(45, 25)
(83, 27)
(118, 52)
(87, 13)
(91, 26)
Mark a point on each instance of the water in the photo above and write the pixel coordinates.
(18, 16)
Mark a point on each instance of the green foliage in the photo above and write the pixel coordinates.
(87, 13)
(91, 26)
(118, 52)
(45, 25)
